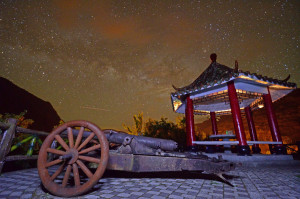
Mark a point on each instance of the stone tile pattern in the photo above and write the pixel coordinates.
(254, 183)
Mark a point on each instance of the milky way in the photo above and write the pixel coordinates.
(106, 61)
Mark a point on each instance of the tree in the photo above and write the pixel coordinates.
(137, 128)
(159, 128)
(167, 130)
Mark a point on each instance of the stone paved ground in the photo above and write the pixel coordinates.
(260, 182)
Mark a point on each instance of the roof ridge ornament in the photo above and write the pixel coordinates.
(176, 88)
(236, 66)
(213, 57)
(286, 79)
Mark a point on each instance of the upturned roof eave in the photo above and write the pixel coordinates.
(242, 77)
(263, 80)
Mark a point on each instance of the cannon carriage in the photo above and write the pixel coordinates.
(75, 156)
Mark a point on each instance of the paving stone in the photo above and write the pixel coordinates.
(158, 197)
(164, 194)
(153, 192)
(137, 193)
(107, 195)
(30, 189)
(115, 197)
(5, 192)
(91, 197)
(135, 189)
(192, 193)
(217, 197)
(200, 197)
(16, 194)
(147, 195)
(165, 191)
(106, 191)
(175, 197)
(181, 191)
(26, 196)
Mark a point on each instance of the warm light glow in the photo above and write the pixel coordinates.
(227, 110)
(260, 106)
(177, 103)
(262, 82)
(201, 112)
(279, 87)
(248, 78)
(245, 77)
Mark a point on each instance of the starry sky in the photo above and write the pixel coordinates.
(105, 61)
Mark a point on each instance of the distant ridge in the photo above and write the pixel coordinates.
(14, 99)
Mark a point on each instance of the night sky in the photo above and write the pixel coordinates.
(106, 61)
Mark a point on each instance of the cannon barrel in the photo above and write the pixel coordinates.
(155, 143)
(118, 138)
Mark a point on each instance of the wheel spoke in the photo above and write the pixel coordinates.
(70, 136)
(55, 151)
(92, 148)
(58, 171)
(67, 175)
(61, 142)
(84, 169)
(76, 175)
(54, 162)
(90, 159)
(79, 137)
(86, 141)
(94, 142)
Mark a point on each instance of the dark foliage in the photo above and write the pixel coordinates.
(166, 130)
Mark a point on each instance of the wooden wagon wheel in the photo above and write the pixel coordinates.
(61, 176)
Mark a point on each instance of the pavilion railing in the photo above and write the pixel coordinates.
(10, 129)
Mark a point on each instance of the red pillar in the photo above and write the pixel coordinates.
(190, 129)
(214, 123)
(243, 148)
(252, 130)
(272, 120)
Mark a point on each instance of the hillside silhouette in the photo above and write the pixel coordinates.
(15, 100)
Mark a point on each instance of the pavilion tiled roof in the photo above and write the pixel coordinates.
(217, 74)
(209, 90)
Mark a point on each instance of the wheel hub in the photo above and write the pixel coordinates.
(71, 154)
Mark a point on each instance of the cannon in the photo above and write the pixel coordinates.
(75, 155)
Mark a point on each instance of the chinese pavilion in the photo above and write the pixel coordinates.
(223, 90)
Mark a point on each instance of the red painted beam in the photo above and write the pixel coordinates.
(236, 114)
(272, 120)
(251, 125)
(214, 123)
(189, 118)
(252, 130)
